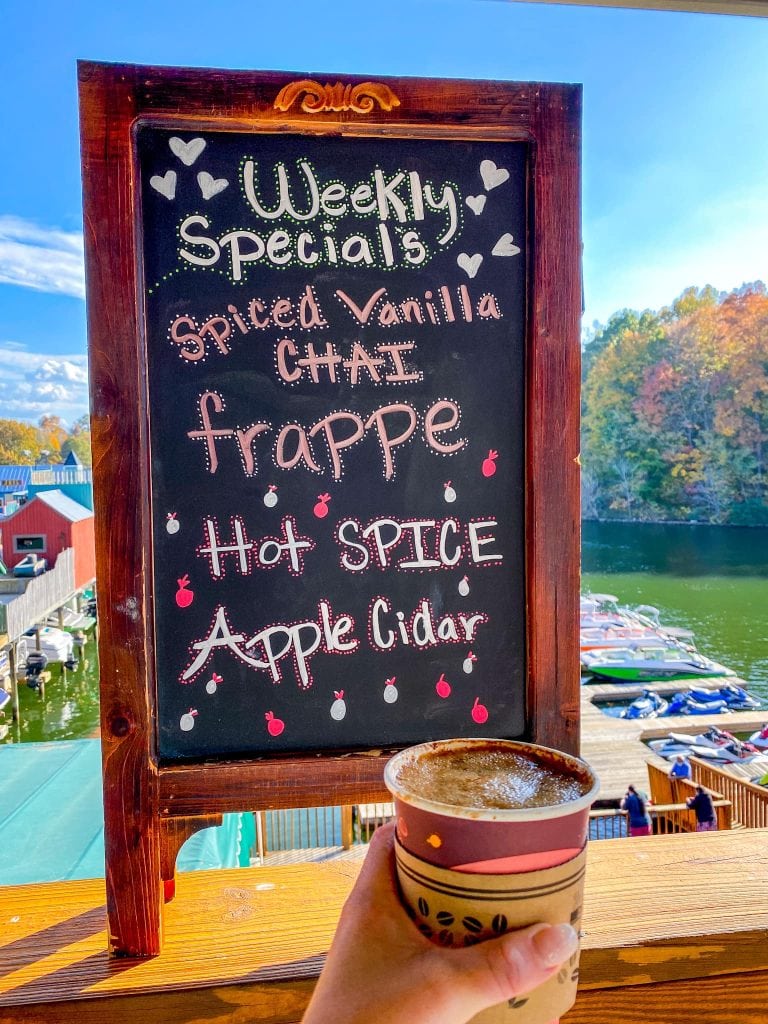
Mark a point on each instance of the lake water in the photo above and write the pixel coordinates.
(711, 579)
(70, 708)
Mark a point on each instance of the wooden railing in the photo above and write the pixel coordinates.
(749, 802)
(667, 818)
(42, 596)
(669, 922)
(303, 828)
(312, 828)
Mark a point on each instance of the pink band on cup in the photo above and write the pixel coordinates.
(520, 863)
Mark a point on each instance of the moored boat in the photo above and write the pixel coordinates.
(645, 663)
(55, 644)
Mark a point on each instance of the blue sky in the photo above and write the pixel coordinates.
(675, 145)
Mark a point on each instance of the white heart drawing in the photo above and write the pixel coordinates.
(165, 184)
(187, 152)
(469, 264)
(492, 175)
(506, 246)
(209, 185)
(476, 204)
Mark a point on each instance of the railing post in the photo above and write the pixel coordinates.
(347, 836)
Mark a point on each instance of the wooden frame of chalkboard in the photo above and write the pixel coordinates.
(175, 348)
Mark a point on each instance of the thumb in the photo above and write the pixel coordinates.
(498, 969)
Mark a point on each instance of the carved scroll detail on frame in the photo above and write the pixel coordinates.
(316, 98)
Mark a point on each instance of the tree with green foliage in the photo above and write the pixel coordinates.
(79, 441)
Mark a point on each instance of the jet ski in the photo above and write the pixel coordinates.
(649, 705)
(685, 704)
(736, 697)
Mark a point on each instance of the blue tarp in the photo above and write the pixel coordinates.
(51, 818)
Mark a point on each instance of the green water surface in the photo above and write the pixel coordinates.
(68, 710)
(712, 580)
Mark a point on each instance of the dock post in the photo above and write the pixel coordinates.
(14, 684)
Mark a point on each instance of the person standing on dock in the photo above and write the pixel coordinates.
(706, 819)
(635, 804)
(681, 768)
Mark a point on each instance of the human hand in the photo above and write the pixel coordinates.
(380, 967)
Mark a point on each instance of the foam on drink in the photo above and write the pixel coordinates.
(489, 777)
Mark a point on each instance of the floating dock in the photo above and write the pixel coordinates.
(616, 749)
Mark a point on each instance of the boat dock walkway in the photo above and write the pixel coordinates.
(615, 747)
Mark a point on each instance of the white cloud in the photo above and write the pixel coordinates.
(721, 242)
(34, 385)
(47, 260)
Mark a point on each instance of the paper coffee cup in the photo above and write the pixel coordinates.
(470, 873)
(491, 839)
(454, 908)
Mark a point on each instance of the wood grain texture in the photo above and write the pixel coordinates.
(738, 999)
(247, 944)
(121, 504)
(114, 98)
(552, 476)
(743, 8)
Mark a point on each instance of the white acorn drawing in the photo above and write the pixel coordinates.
(212, 685)
(464, 586)
(339, 707)
(172, 524)
(270, 498)
(390, 690)
(187, 721)
(469, 662)
(449, 494)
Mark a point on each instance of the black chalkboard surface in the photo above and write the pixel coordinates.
(335, 337)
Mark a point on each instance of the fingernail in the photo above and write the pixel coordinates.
(555, 943)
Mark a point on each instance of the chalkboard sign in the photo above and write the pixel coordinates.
(335, 335)
(334, 341)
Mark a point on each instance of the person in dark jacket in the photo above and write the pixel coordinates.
(635, 804)
(706, 819)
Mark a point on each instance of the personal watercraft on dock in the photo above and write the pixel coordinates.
(649, 705)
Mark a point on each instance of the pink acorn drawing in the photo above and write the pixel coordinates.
(212, 685)
(479, 712)
(270, 498)
(488, 467)
(469, 662)
(464, 586)
(449, 494)
(274, 725)
(390, 691)
(187, 721)
(443, 687)
(321, 508)
(172, 524)
(184, 597)
(339, 707)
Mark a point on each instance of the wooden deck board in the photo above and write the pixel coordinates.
(247, 943)
(615, 747)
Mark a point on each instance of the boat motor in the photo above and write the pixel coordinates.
(36, 663)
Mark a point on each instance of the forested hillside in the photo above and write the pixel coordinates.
(675, 411)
